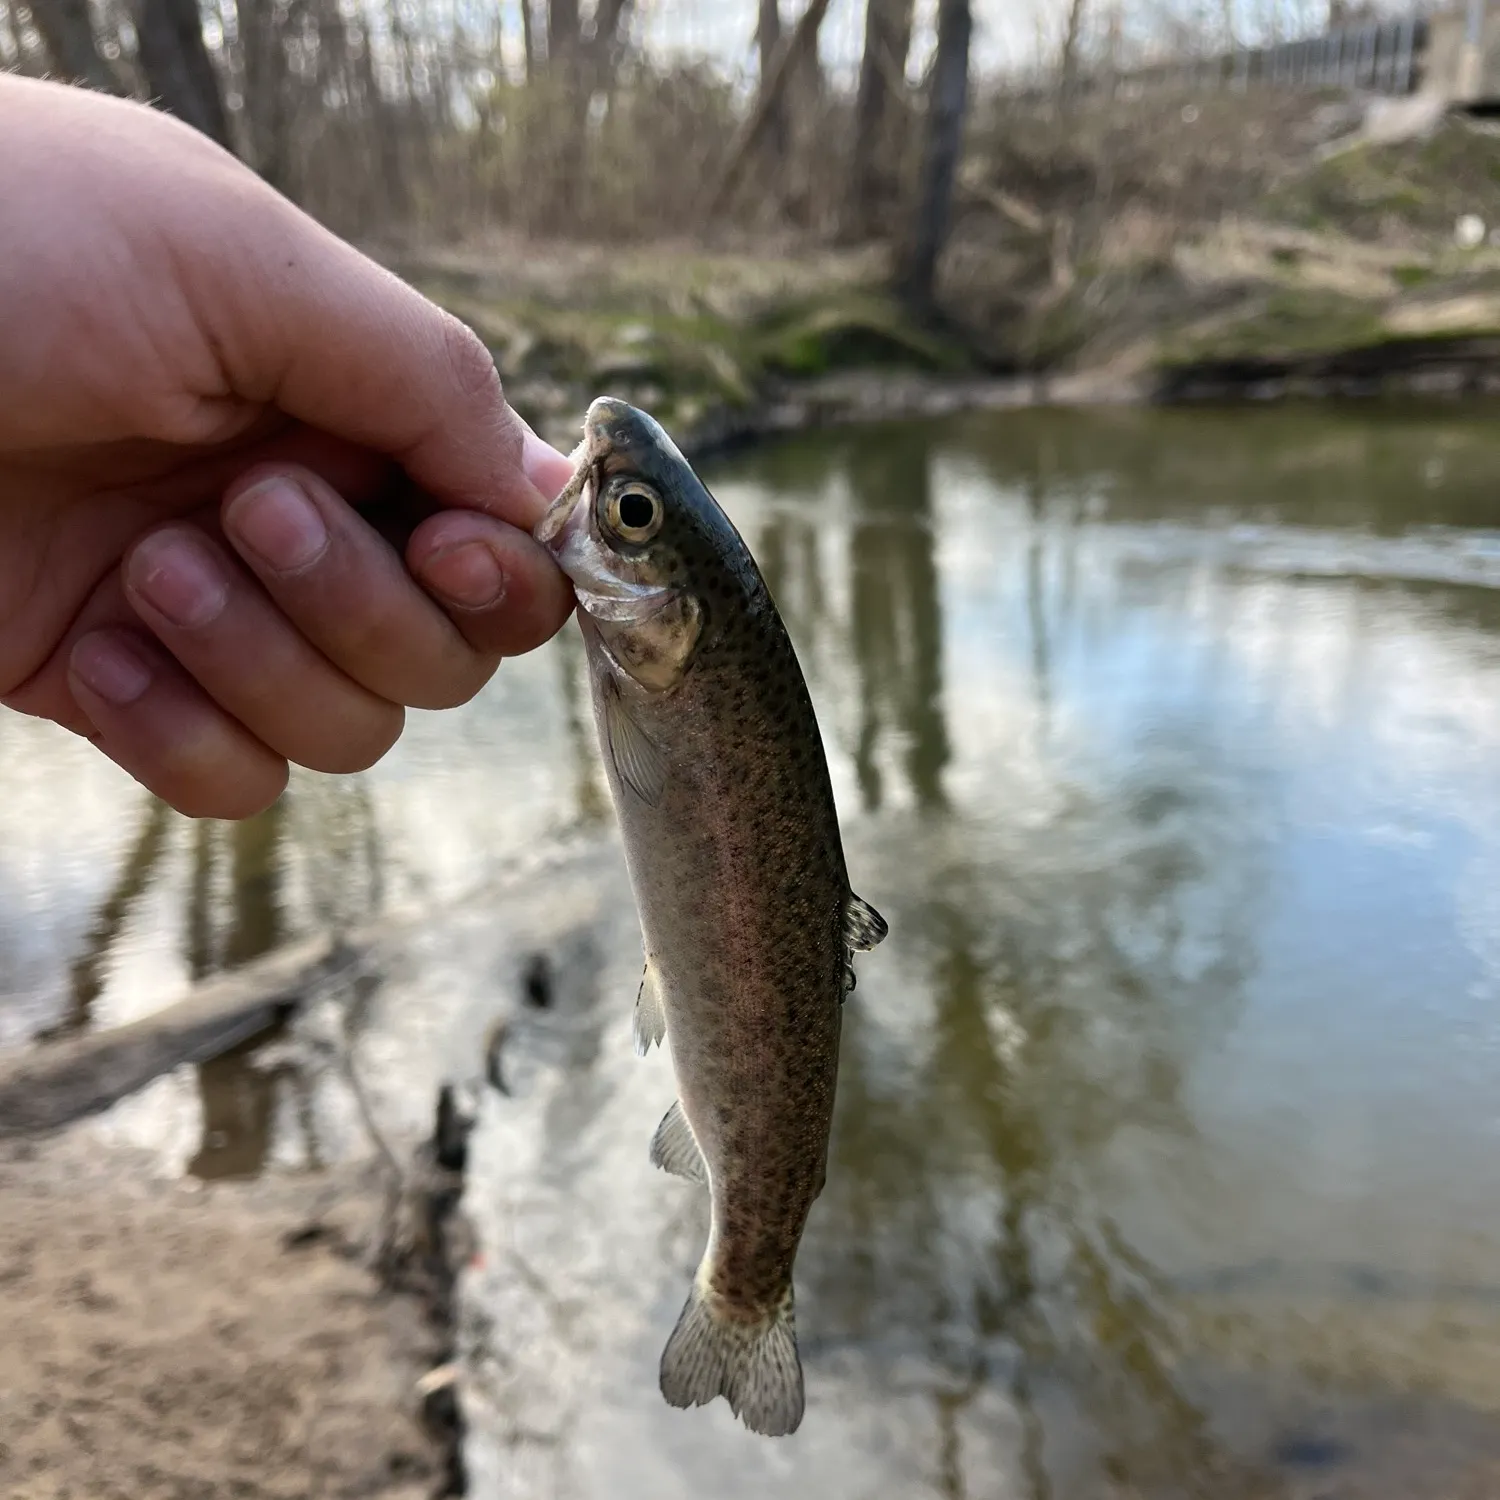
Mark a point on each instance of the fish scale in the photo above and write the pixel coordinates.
(721, 788)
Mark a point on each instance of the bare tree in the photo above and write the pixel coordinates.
(803, 100)
(68, 31)
(947, 107)
(263, 27)
(177, 66)
(767, 47)
(1067, 80)
(789, 56)
(564, 30)
(528, 39)
(877, 106)
(579, 65)
(604, 33)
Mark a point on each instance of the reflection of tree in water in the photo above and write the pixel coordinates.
(894, 634)
(590, 790)
(958, 1195)
(896, 628)
(87, 976)
(238, 1099)
(1311, 466)
(238, 910)
(786, 552)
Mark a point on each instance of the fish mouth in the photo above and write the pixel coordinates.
(587, 459)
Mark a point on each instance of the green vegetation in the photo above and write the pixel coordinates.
(1407, 191)
(1282, 324)
(1294, 259)
(718, 338)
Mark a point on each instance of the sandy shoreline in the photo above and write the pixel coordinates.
(171, 1339)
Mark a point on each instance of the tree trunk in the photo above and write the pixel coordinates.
(265, 110)
(882, 79)
(69, 34)
(178, 70)
(803, 102)
(528, 39)
(947, 106)
(383, 122)
(579, 69)
(768, 45)
(803, 39)
(1067, 84)
(608, 14)
(563, 30)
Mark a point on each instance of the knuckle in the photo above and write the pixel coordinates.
(206, 779)
(391, 658)
(455, 688)
(359, 748)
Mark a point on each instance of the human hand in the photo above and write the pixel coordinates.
(201, 390)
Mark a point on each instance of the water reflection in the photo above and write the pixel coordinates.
(896, 621)
(1167, 743)
(238, 1100)
(958, 1217)
(87, 973)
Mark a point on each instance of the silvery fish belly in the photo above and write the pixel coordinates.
(722, 792)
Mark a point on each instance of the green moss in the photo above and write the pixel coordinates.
(685, 358)
(1423, 184)
(848, 331)
(1286, 323)
(1412, 275)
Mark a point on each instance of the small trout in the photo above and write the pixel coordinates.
(721, 787)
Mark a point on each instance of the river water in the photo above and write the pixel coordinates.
(1167, 1157)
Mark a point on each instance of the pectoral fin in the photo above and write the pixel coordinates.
(864, 927)
(650, 1023)
(637, 760)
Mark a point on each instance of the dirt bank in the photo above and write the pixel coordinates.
(169, 1340)
(1164, 250)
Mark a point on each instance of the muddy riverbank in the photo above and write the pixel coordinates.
(167, 1339)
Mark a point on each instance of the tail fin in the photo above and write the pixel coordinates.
(755, 1366)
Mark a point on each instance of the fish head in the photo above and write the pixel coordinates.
(654, 561)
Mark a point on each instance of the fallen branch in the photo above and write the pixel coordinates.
(51, 1087)
(1020, 213)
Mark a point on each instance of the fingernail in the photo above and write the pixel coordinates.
(108, 666)
(175, 573)
(279, 523)
(468, 575)
(543, 465)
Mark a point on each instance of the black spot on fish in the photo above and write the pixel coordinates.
(1305, 1450)
(536, 982)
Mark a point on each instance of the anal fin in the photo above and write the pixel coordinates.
(864, 927)
(675, 1149)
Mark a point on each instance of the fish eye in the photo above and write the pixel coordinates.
(635, 513)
